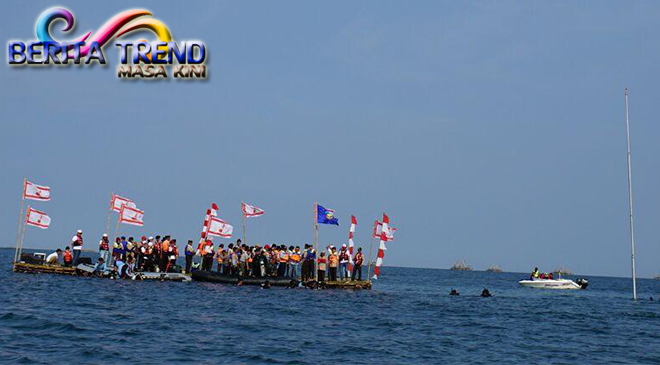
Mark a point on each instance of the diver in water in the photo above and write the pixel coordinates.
(265, 285)
(485, 293)
(454, 292)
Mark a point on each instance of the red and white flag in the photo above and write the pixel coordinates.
(131, 216)
(219, 228)
(37, 219)
(35, 192)
(116, 202)
(251, 211)
(213, 212)
(384, 234)
(351, 231)
(378, 229)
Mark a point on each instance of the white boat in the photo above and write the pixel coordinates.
(555, 283)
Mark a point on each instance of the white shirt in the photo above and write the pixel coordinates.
(51, 257)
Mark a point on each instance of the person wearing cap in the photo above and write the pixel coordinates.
(104, 247)
(343, 263)
(77, 244)
(190, 253)
(357, 265)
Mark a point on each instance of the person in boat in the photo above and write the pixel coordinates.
(535, 274)
(157, 252)
(283, 261)
(322, 264)
(77, 244)
(104, 247)
(208, 256)
(357, 265)
(262, 263)
(67, 257)
(164, 253)
(343, 258)
(242, 260)
(190, 253)
(223, 260)
(146, 252)
(99, 267)
(294, 262)
(172, 254)
(333, 263)
(53, 258)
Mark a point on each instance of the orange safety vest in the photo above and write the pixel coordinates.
(333, 260)
(166, 245)
(284, 257)
(295, 257)
(67, 256)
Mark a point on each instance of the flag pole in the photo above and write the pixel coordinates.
(371, 251)
(20, 222)
(630, 205)
(20, 250)
(107, 221)
(316, 241)
(243, 218)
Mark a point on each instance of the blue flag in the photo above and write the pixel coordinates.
(326, 216)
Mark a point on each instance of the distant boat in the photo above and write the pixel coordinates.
(494, 268)
(460, 265)
(563, 271)
(657, 277)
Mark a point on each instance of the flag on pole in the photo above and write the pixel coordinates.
(351, 231)
(378, 229)
(116, 202)
(35, 192)
(251, 211)
(385, 230)
(213, 212)
(326, 216)
(218, 227)
(37, 218)
(131, 216)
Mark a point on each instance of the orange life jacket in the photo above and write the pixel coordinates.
(295, 257)
(67, 256)
(284, 257)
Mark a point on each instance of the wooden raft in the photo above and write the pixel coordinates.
(43, 269)
(355, 285)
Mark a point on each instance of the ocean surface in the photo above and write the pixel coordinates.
(408, 317)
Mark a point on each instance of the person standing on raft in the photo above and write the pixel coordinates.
(357, 264)
(77, 244)
(190, 253)
(104, 247)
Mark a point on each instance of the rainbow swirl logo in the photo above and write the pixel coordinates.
(110, 29)
(148, 58)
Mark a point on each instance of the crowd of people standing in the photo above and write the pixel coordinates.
(160, 254)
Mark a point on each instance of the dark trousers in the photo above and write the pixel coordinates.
(333, 274)
(321, 275)
(357, 269)
(188, 262)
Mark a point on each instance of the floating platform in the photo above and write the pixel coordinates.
(215, 277)
(43, 269)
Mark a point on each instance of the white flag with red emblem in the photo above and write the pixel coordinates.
(131, 216)
(389, 233)
(37, 218)
(35, 192)
(116, 202)
(251, 211)
(218, 227)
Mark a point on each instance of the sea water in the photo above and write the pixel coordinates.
(408, 317)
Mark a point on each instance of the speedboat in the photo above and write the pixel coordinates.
(555, 283)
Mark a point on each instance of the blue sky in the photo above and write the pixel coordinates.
(488, 131)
